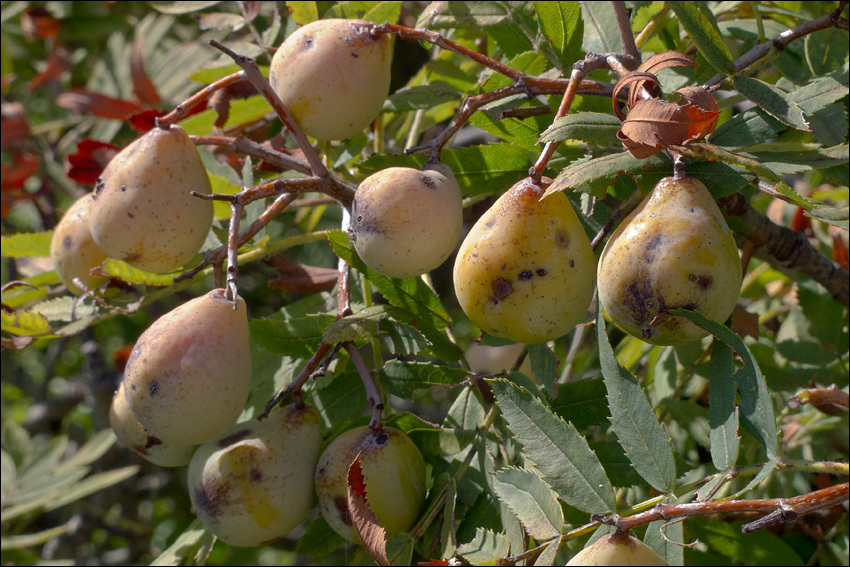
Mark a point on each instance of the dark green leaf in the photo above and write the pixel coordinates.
(666, 538)
(723, 415)
(591, 127)
(583, 403)
(297, 337)
(425, 96)
(772, 100)
(600, 34)
(534, 503)
(562, 25)
(595, 175)
(487, 548)
(402, 378)
(703, 32)
(462, 15)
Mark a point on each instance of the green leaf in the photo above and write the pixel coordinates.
(30, 244)
(595, 175)
(756, 407)
(772, 100)
(400, 338)
(556, 449)
(383, 12)
(666, 538)
(583, 403)
(758, 548)
(723, 415)
(617, 465)
(534, 503)
(462, 15)
(297, 337)
(126, 272)
(705, 35)
(319, 539)
(422, 96)
(633, 420)
(592, 127)
(192, 547)
(242, 111)
(487, 547)
(25, 324)
(403, 378)
(751, 127)
(600, 33)
(341, 398)
(181, 7)
(358, 325)
(23, 541)
(302, 12)
(92, 484)
(562, 25)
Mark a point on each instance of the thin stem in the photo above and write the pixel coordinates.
(653, 25)
(182, 109)
(625, 28)
(253, 149)
(372, 393)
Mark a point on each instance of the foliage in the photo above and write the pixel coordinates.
(527, 446)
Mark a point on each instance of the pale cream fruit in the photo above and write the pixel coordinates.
(405, 222)
(73, 250)
(617, 549)
(135, 437)
(333, 76)
(526, 270)
(143, 212)
(189, 374)
(254, 484)
(393, 473)
(674, 251)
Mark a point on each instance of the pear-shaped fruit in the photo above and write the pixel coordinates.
(333, 77)
(254, 484)
(73, 250)
(674, 251)
(406, 222)
(189, 374)
(144, 212)
(394, 477)
(617, 549)
(526, 269)
(135, 437)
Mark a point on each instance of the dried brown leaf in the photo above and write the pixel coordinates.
(635, 81)
(663, 60)
(300, 278)
(372, 535)
(83, 100)
(656, 124)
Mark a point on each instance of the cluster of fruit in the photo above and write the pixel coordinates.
(526, 271)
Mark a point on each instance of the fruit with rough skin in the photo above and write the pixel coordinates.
(405, 222)
(254, 484)
(189, 374)
(617, 549)
(674, 251)
(143, 212)
(526, 270)
(394, 476)
(135, 437)
(333, 75)
(73, 250)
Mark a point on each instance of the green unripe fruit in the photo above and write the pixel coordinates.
(333, 77)
(189, 374)
(617, 549)
(254, 484)
(394, 477)
(144, 213)
(526, 270)
(73, 250)
(674, 251)
(406, 222)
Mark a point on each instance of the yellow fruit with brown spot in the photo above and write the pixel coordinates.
(617, 549)
(73, 250)
(254, 484)
(526, 269)
(674, 251)
(333, 75)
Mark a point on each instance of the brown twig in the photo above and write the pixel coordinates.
(298, 382)
(627, 38)
(182, 109)
(253, 149)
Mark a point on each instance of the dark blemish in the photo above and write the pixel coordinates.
(256, 475)
(639, 299)
(654, 243)
(123, 188)
(703, 281)
(153, 388)
(133, 386)
(354, 55)
(359, 218)
(572, 264)
(647, 332)
(562, 239)
(131, 215)
(427, 181)
(382, 438)
(691, 306)
(541, 272)
(490, 223)
(130, 258)
(308, 43)
(502, 288)
(152, 442)
(341, 505)
(67, 242)
(526, 275)
(209, 498)
(140, 449)
(233, 438)
(99, 186)
(503, 267)
(692, 209)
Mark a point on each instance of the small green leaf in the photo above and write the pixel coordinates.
(600, 33)
(487, 548)
(192, 547)
(403, 378)
(463, 15)
(422, 96)
(296, 337)
(723, 415)
(303, 12)
(749, 128)
(592, 127)
(705, 35)
(126, 272)
(583, 403)
(534, 503)
(562, 25)
(29, 244)
(595, 175)
(774, 101)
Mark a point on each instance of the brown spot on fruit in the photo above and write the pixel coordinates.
(562, 239)
(502, 288)
(256, 475)
(704, 281)
(382, 438)
(153, 388)
(526, 275)
(67, 242)
(427, 181)
(341, 504)
(152, 441)
(541, 272)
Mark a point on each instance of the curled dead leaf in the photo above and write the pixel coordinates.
(663, 60)
(372, 535)
(300, 278)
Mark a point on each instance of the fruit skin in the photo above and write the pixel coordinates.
(254, 484)
(333, 77)
(189, 374)
(393, 472)
(135, 437)
(526, 269)
(617, 549)
(406, 222)
(73, 250)
(144, 212)
(674, 251)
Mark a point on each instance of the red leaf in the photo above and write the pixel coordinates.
(83, 100)
(12, 130)
(58, 62)
(38, 23)
(300, 278)
(372, 535)
(142, 86)
(87, 163)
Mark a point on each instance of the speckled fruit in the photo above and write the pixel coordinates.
(144, 213)
(406, 222)
(73, 250)
(393, 472)
(617, 549)
(135, 437)
(526, 269)
(189, 374)
(254, 484)
(674, 251)
(333, 77)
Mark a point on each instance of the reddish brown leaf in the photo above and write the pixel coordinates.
(300, 278)
(372, 535)
(142, 86)
(663, 60)
(840, 252)
(12, 130)
(220, 102)
(38, 23)
(635, 81)
(83, 100)
(87, 163)
(654, 125)
(58, 62)
(745, 323)
(22, 167)
(703, 99)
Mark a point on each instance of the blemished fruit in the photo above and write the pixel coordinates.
(254, 484)
(526, 270)
(135, 437)
(674, 251)
(143, 211)
(617, 549)
(73, 250)
(405, 222)
(189, 374)
(333, 77)
(393, 472)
